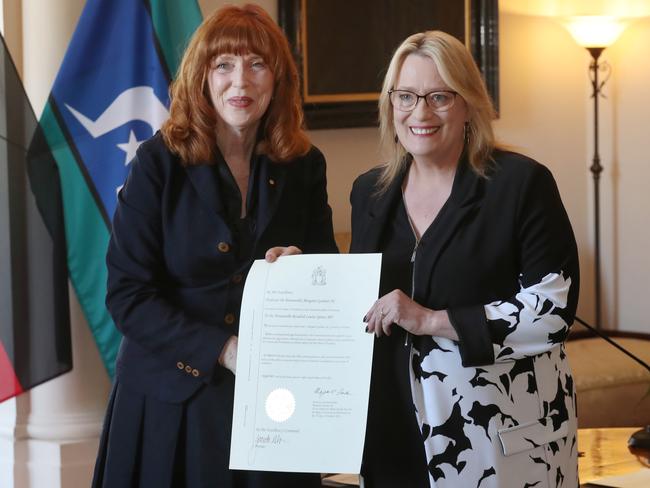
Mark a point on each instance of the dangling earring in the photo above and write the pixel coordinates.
(466, 132)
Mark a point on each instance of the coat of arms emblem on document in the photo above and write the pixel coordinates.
(319, 276)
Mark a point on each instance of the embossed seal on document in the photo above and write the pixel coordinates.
(280, 405)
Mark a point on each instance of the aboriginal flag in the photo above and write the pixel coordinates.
(34, 311)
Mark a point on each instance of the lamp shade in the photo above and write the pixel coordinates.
(595, 30)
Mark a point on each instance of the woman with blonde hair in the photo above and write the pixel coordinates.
(470, 384)
(231, 177)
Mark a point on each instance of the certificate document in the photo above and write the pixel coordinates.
(303, 364)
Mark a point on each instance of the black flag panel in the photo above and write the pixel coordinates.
(34, 314)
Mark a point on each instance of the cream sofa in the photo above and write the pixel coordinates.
(613, 390)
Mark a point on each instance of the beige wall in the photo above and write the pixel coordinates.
(547, 111)
(627, 181)
(543, 112)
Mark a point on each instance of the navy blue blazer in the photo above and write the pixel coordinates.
(174, 281)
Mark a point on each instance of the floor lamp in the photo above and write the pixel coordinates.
(596, 33)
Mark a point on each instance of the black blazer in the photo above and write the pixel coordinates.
(491, 237)
(174, 283)
(501, 258)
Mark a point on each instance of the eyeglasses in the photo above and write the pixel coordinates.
(438, 101)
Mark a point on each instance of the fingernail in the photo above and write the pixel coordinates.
(365, 319)
(366, 329)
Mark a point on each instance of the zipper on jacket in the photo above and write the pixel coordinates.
(407, 338)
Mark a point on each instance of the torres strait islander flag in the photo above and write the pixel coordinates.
(34, 313)
(111, 93)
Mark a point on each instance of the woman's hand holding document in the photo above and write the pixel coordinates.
(303, 364)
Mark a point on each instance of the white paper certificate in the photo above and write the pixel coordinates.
(303, 364)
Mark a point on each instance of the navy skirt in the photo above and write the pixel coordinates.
(147, 443)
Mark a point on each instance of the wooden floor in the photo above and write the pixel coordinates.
(604, 452)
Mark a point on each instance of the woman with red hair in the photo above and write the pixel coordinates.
(231, 177)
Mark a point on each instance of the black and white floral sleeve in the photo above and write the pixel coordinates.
(538, 316)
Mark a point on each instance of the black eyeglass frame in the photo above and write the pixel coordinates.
(418, 97)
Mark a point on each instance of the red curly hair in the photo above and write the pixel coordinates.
(190, 130)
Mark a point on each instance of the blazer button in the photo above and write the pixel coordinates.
(223, 247)
(229, 318)
(236, 278)
(195, 373)
(180, 365)
(188, 369)
(271, 182)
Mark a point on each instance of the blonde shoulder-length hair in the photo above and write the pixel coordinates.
(459, 71)
(190, 130)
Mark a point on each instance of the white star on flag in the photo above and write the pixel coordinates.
(130, 147)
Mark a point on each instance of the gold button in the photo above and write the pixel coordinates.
(229, 319)
(271, 182)
(223, 247)
(180, 365)
(236, 278)
(195, 373)
(188, 369)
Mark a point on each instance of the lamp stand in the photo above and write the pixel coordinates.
(596, 169)
(639, 442)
